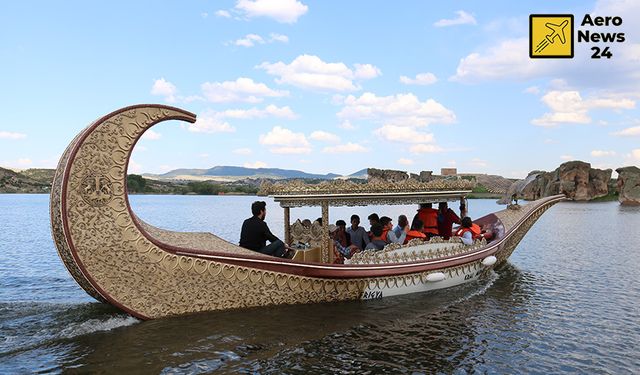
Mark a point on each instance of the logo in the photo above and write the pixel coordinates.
(551, 35)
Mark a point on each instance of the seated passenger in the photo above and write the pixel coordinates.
(388, 234)
(377, 243)
(255, 233)
(429, 217)
(417, 227)
(403, 223)
(373, 218)
(358, 235)
(306, 223)
(340, 252)
(468, 231)
(342, 235)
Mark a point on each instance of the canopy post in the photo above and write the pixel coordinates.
(327, 253)
(287, 226)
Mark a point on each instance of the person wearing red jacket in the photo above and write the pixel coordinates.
(446, 218)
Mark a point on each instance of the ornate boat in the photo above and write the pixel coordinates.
(152, 273)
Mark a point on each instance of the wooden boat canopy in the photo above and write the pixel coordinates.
(366, 199)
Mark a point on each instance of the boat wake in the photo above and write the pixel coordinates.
(478, 290)
(31, 325)
(96, 325)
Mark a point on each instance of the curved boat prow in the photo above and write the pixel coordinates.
(150, 273)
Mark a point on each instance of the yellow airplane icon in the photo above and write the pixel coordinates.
(556, 31)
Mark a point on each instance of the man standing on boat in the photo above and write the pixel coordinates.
(255, 233)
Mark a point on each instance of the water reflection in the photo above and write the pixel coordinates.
(574, 290)
(443, 331)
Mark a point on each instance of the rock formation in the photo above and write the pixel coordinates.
(629, 185)
(390, 175)
(576, 179)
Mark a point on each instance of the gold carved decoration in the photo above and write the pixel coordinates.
(117, 258)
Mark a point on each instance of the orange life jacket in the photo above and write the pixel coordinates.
(384, 235)
(414, 234)
(475, 231)
(429, 217)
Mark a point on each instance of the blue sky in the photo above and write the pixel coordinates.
(321, 86)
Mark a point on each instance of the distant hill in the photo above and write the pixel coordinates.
(15, 182)
(231, 173)
(362, 174)
(40, 174)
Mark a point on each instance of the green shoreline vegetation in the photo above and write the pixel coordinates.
(38, 181)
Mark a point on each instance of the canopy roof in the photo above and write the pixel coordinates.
(366, 199)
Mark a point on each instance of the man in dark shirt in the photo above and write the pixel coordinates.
(255, 233)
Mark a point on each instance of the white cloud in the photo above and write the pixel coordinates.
(204, 14)
(21, 163)
(134, 167)
(257, 164)
(463, 18)
(12, 135)
(274, 37)
(475, 162)
(422, 79)
(400, 109)
(404, 161)
(452, 163)
(632, 131)
(252, 113)
(366, 71)
(241, 90)
(283, 11)
(249, 40)
(425, 149)
(567, 157)
(345, 148)
(550, 141)
(223, 13)
(569, 107)
(535, 90)
(151, 135)
(601, 153)
(323, 136)
(403, 134)
(242, 151)
(291, 150)
(508, 60)
(208, 122)
(285, 141)
(204, 155)
(310, 72)
(635, 154)
(162, 87)
(346, 125)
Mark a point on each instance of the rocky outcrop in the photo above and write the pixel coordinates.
(390, 175)
(494, 184)
(629, 185)
(576, 179)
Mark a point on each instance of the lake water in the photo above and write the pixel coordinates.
(567, 302)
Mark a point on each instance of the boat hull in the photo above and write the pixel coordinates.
(151, 273)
